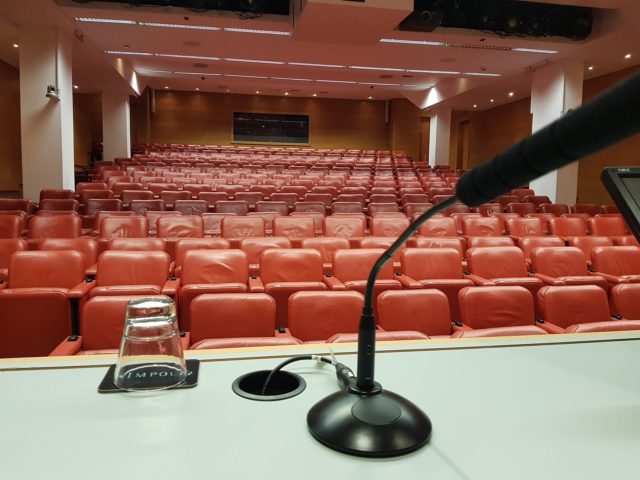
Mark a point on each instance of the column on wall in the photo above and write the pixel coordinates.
(556, 88)
(116, 131)
(46, 123)
(439, 136)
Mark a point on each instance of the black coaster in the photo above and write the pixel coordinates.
(193, 367)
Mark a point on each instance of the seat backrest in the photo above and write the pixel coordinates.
(102, 321)
(383, 198)
(16, 204)
(383, 207)
(185, 226)
(87, 246)
(483, 227)
(588, 242)
(326, 246)
(191, 207)
(521, 208)
(8, 246)
(120, 187)
(290, 265)
(56, 193)
(343, 226)
(388, 226)
(431, 263)
(624, 300)
(137, 244)
(346, 207)
(483, 242)
(293, 227)
(607, 226)
(616, 260)
(529, 244)
(571, 305)
(438, 242)
(242, 227)
(525, 227)
(356, 264)
(214, 266)
(319, 315)
(119, 267)
(185, 244)
(95, 205)
(492, 307)
(271, 206)
(537, 199)
(10, 226)
(124, 227)
(254, 246)
(438, 227)
(425, 311)
(559, 261)
(497, 262)
(590, 209)
(568, 226)
(290, 198)
(239, 207)
(46, 269)
(556, 209)
(231, 315)
(57, 226)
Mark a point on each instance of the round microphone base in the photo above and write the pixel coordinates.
(382, 424)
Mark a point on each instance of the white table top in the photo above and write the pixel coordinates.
(552, 407)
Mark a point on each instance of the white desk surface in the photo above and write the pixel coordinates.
(552, 407)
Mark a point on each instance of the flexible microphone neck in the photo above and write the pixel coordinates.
(367, 329)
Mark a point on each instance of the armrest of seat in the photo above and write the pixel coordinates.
(80, 290)
(68, 347)
(407, 282)
(333, 283)
(255, 285)
(609, 278)
(92, 271)
(282, 332)
(171, 287)
(460, 327)
(549, 327)
(547, 280)
(478, 280)
(185, 340)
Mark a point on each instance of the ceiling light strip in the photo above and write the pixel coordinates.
(478, 74)
(293, 79)
(179, 26)
(253, 30)
(190, 57)
(247, 60)
(119, 52)
(106, 20)
(384, 69)
(534, 50)
(323, 65)
(410, 42)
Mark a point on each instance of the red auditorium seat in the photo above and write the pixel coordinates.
(566, 227)
(230, 206)
(294, 228)
(523, 192)
(170, 197)
(352, 268)
(95, 186)
(425, 311)
(254, 247)
(590, 209)
(183, 226)
(245, 342)
(56, 193)
(525, 227)
(537, 200)
(579, 309)
(456, 243)
(213, 271)
(588, 243)
(192, 207)
(281, 208)
(488, 209)
(556, 209)
(133, 273)
(87, 246)
(506, 200)
(345, 226)
(232, 315)
(624, 300)
(141, 207)
(346, 207)
(16, 204)
(101, 326)
(123, 227)
(500, 266)
(439, 268)
(617, 264)
(563, 266)
(380, 336)
(265, 190)
(183, 245)
(58, 226)
(484, 242)
(482, 227)
(96, 205)
(326, 246)
(607, 227)
(438, 227)
(212, 222)
(213, 197)
(10, 226)
(412, 208)
(388, 226)
(129, 196)
(290, 198)
(286, 271)
(60, 204)
(137, 244)
(375, 208)
(521, 209)
(7, 248)
(316, 316)
(250, 197)
(496, 311)
(87, 195)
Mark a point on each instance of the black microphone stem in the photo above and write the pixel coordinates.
(367, 327)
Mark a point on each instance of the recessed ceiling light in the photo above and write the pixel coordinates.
(197, 89)
(75, 87)
(15, 45)
(492, 100)
(253, 30)
(228, 90)
(314, 95)
(385, 69)
(475, 106)
(166, 87)
(511, 94)
(533, 50)
(145, 71)
(258, 92)
(590, 67)
(370, 98)
(105, 20)
(627, 56)
(325, 65)
(247, 60)
(286, 93)
(410, 42)
(336, 81)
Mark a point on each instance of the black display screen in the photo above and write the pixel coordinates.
(633, 186)
(270, 128)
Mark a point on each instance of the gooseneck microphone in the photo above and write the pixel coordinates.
(366, 420)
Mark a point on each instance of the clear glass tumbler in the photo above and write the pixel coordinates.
(150, 356)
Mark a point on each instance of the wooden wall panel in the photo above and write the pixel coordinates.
(405, 121)
(87, 125)
(10, 146)
(206, 118)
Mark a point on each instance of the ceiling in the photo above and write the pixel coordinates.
(471, 69)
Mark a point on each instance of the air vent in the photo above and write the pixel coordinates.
(201, 65)
(386, 76)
